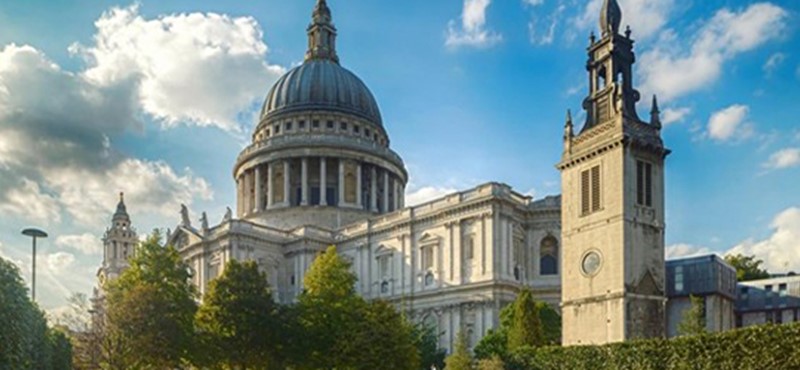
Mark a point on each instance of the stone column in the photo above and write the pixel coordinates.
(248, 203)
(239, 197)
(259, 191)
(304, 182)
(287, 200)
(341, 182)
(270, 195)
(358, 187)
(323, 182)
(385, 191)
(397, 193)
(373, 190)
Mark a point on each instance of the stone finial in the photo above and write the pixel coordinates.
(655, 114)
(610, 17)
(568, 126)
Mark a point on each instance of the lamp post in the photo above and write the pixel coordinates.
(34, 233)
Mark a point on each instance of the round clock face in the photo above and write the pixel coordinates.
(591, 263)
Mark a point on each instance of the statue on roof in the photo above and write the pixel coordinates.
(185, 221)
(228, 215)
(204, 221)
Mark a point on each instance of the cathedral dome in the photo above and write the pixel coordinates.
(321, 84)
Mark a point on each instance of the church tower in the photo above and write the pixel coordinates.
(612, 175)
(119, 243)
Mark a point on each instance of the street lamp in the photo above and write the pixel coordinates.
(34, 233)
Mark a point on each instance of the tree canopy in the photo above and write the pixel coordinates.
(747, 267)
(151, 308)
(461, 358)
(693, 320)
(237, 320)
(26, 341)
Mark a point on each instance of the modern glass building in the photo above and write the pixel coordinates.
(775, 300)
(709, 277)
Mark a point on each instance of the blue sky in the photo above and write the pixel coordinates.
(156, 98)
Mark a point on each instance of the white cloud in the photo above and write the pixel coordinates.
(646, 17)
(426, 194)
(685, 250)
(149, 187)
(86, 243)
(674, 115)
(774, 61)
(55, 146)
(30, 203)
(786, 158)
(547, 36)
(729, 123)
(781, 250)
(533, 2)
(473, 30)
(672, 70)
(200, 68)
(59, 262)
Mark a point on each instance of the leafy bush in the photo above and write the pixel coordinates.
(759, 347)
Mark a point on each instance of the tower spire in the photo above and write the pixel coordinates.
(610, 17)
(321, 34)
(655, 114)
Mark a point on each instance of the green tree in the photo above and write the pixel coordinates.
(493, 363)
(339, 330)
(328, 312)
(427, 342)
(151, 308)
(747, 267)
(237, 319)
(693, 321)
(60, 349)
(16, 318)
(26, 342)
(383, 340)
(495, 342)
(526, 325)
(461, 358)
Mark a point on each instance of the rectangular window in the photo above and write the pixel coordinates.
(585, 195)
(768, 294)
(427, 258)
(277, 129)
(343, 126)
(366, 132)
(330, 125)
(356, 129)
(301, 125)
(679, 279)
(315, 124)
(644, 183)
(590, 190)
(383, 266)
(469, 245)
(288, 126)
(595, 188)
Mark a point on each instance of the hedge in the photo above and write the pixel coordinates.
(759, 347)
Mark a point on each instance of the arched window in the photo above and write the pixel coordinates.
(548, 256)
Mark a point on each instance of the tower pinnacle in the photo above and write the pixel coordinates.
(322, 34)
(655, 114)
(610, 17)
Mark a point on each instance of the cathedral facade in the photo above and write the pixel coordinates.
(320, 171)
